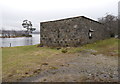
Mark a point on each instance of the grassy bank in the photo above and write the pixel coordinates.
(23, 61)
(108, 47)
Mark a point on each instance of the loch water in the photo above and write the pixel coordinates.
(20, 41)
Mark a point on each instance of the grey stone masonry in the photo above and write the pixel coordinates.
(72, 32)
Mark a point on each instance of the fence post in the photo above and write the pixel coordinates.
(10, 44)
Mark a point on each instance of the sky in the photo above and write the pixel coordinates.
(13, 12)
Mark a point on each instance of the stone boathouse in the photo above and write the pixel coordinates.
(73, 32)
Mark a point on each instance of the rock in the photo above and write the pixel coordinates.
(26, 73)
(44, 79)
(44, 63)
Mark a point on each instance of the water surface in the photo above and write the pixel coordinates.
(20, 41)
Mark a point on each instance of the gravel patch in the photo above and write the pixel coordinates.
(78, 67)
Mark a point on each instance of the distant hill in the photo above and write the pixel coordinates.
(19, 32)
(36, 32)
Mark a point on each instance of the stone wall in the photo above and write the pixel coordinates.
(74, 31)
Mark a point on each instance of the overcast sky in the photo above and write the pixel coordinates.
(15, 11)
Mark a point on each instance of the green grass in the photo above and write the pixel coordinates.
(106, 47)
(17, 61)
(21, 61)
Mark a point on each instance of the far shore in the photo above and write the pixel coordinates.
(10, 36)
(14, 36)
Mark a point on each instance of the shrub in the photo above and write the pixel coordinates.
(23, 35)
(28, 35)
(40, 45)
(64, 50)
(58, 48)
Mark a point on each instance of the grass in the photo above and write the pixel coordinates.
(23, 61)
(20, 60)
(107, 47)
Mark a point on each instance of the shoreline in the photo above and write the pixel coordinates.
(19, 46)
(14, 36)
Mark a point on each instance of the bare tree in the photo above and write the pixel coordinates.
(111, 23)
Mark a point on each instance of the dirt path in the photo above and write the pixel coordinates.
(77, 67)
